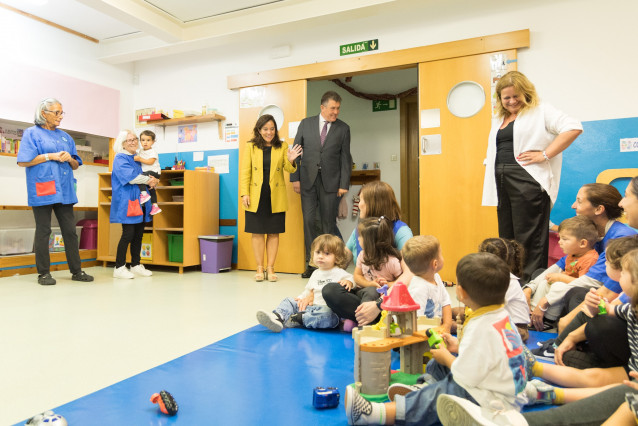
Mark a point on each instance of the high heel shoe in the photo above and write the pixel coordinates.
(272, 277)
(259, 276)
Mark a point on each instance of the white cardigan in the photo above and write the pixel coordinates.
(534, 130)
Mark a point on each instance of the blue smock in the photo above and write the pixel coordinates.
(125, 169)
(50, 182)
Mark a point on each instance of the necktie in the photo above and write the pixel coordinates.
(324, 132)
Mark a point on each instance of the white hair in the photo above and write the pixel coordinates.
(42, 106)
(118, 144)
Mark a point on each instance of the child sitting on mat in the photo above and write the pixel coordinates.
(330, 257)
(490, 367)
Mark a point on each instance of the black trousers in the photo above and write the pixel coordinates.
(344, 303)
(66, 219)
(315, 202)
(131, 235)
(607, 344)
(523, 214)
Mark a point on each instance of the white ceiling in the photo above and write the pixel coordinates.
(130, 30)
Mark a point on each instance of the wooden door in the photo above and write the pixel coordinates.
(451, 183)
(291, 98)
(410, 163)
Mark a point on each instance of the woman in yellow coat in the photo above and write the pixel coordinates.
(263, 191)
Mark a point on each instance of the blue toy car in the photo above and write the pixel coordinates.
(325, 397)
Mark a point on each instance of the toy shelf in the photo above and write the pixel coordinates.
(361, 177)
(25, 263)
(197, 215)
(191, 120)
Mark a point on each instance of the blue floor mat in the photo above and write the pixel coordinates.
(255, 377)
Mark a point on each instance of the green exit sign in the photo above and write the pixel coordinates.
(362, 46)
(384, 105)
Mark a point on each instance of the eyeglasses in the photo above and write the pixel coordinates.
(57, 113)
(132, 140)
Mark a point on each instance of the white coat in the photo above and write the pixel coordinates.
(534, 130)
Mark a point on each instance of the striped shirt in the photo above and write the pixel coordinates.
(626, 313)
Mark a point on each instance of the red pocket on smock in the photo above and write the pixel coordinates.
(134, 208)
(45, 188)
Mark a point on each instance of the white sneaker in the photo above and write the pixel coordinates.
(270, 320)
(141, 271)
(122, 272)
(455, 411)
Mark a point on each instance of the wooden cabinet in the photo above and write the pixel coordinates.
(196, 212)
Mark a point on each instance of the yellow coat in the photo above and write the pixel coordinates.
(252, 174)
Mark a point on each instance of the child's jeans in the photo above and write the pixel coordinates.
(315, 316)
(419, 407)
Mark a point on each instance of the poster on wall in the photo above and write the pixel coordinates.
(187, 133)
(232, 133)
(498, 68)
(220, 163)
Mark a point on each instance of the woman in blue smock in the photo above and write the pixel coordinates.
(125, 204)
(50, 157)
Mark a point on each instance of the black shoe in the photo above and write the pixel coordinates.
(308, 272)
(296, 318)
(546, 351)
(46, 279)
(82, 276)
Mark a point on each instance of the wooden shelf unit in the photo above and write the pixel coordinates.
(192, 120)
(8, 154)
(197, 215)
(25, 263)
(361, 177)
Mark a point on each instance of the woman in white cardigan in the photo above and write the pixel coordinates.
(523, 164)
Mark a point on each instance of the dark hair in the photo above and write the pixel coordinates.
(485, 277)
(378, 241)
(618, 247)
(330, 95)
(419, 252)
(258, 140)
(380, 200)
(511, 251)
(331, 244)
(149, 134)
(633, 185)
(601, 194)
(581, 227)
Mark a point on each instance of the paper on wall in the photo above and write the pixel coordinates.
(220, 163)
(198, 156)
(430, 118)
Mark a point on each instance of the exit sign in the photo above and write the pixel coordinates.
(362, 46)
(384, 105)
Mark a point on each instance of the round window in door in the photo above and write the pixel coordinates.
(466, 99)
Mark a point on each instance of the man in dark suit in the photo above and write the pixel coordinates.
(324, 171)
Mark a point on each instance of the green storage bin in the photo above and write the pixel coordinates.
(177, 182)
(176, 248)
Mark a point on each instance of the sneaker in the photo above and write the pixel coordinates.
(122, 272)
(47, 418)
(144, 197)
(270, 320)
(401, 389)
(155, 209)
(454, 411)
(82, 276)
(349, 325)
(546, 351)
(141, 271)
(539, 392)
(360, 411)
(46, 279)
(297, 319)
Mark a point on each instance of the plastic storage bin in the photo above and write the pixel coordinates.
(56, 242)
(88, 237)
(16, 241)
(216, 252)
(176, 248)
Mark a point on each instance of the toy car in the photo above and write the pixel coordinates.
(325, 397)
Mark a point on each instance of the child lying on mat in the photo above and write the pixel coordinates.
(330, 257)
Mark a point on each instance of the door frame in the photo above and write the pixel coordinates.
(410, 180)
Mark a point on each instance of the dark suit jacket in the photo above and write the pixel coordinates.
(334, 157)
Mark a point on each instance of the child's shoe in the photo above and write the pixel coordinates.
(401, 389)
(155, 209)
(349, 325)
(454, 411)
(270, 320)
(360, 411)
(144, 197)
(295, 320)
(539, 392)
